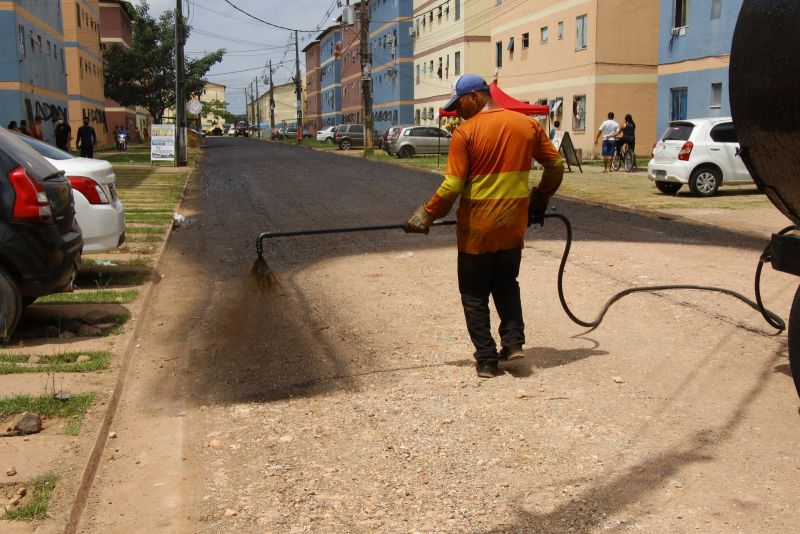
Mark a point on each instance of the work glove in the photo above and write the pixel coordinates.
(537, 208)
(419, 222)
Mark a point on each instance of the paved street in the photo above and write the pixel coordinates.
(348, 402)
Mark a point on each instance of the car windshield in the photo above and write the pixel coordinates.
(44, 149)
(678, 131)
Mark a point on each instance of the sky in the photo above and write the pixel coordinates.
(250, 44)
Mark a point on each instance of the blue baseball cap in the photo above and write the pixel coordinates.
(466, 84)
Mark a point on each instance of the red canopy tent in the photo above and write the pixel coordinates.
(509, 102)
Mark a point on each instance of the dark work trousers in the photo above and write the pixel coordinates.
(495, 274)
(87, 150)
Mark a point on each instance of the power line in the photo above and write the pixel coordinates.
(264, 21)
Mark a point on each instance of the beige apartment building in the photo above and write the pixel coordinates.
(582, 57)
(451, 38)
(285, 104)
(211, 92)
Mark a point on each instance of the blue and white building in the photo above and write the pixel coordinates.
(330, 77)
(392, 49)
(693, 56)
(33, 79)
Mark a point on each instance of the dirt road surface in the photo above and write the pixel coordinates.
(349, 401)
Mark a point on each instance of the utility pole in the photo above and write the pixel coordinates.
(258, 110)
(366, 79)
(180, 96)
(271, 102)
(246, 106)
(298, 88)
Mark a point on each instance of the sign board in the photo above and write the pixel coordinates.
(567, 149)
(162, 142)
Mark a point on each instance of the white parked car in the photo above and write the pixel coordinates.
(703, 153)
(98, 209)
(326, 135)
(232, 130)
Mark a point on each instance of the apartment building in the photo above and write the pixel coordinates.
(584, 58)
(694, 49)
(313, 119)
(391, 41)
(350, 64)
(211, 92)
(330, 77)
(451, 37)
(84, 64)
(115, 29)
(285, 97)
(32, 65)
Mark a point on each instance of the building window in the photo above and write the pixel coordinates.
(418, 73)
(679, 13)
(498, 54)
(716, 9)
(416, 116)
(510, 45)
(716, 95)
(581, 27)
(431, 69)
(78, 14)
(457, 63)
(560, 29)
(439, 70)
(498, 2)
(544, 34)
(22, 51)
(579, 112)
(458, 9)
(678, 102)
(526, 39)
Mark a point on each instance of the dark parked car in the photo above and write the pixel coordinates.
(350, 135)
(40, 241)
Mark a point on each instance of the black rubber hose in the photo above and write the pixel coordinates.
(773, 319)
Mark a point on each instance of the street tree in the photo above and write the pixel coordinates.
(144, 74)
(217, 109)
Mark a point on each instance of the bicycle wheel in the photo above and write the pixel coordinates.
(615, 162)
(630, 160)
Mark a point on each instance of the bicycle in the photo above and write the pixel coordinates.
(624, 156)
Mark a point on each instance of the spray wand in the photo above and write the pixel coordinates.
(262, 277)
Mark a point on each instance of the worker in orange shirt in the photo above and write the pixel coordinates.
(488, 166)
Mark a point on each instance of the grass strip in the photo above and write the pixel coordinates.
(73, 409)
(103, 277)
(145, 230)
(40, 488)
(143, 238)
(141, 261)
(91, 296)
(65, 362)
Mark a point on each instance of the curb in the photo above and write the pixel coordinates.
(93, 462)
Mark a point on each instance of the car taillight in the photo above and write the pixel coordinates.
(31, 203)
(90, 189)
(685, 151)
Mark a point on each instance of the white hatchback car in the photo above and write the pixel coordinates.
(98, 209)
(326, 135)
(703, 153)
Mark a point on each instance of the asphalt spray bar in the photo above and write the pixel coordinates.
(262, 277)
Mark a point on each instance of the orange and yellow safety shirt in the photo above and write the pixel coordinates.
(488, 166)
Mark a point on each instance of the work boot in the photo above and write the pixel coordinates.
(510, 353)
(488, 369)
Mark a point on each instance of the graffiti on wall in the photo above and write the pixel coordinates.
(48, 112)
(97, 116)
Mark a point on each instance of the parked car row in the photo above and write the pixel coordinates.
(53, 207)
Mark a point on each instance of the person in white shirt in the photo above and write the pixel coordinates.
(608, 129)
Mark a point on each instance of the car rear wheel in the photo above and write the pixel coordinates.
(10, 306)
(406, 152)
(328, 140)
(704, 181)
(668, 188)
(345, 144)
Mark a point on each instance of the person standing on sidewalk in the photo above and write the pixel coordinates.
(36, 128)
(63, 134)
(608, 129)
(87, 138)
(488, 166)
